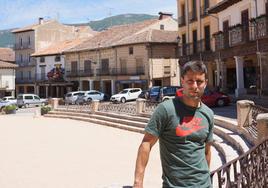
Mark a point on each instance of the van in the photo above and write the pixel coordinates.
(27, 100)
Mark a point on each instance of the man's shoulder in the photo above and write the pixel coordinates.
(206, 109)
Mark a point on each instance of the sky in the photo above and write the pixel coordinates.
(20, 13)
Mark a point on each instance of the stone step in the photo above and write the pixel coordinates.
(128, 117)
(97, 121)
(230, 152)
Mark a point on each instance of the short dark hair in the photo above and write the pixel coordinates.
(195, 66)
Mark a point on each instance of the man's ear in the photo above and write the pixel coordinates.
(182, 81)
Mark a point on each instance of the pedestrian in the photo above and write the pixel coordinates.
(184, 128)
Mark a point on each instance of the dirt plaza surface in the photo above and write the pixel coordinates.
(38, 152)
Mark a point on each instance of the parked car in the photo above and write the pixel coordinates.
(159, 94)
(71, 97)
(143, 94)
(89, 96)
(211, 98)
(11, 99)
(28, 100)
(126, 95)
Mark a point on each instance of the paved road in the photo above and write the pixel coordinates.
(227, 111)
(39, 152)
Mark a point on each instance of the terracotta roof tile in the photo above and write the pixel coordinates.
(7, 54)
(59, 47)
(112, 35)
(150, 36)
(30, 27)
(7, 65)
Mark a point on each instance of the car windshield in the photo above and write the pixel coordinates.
(155, 89)
(124, 91)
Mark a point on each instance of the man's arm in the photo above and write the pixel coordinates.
(142, 158)
(208, 153)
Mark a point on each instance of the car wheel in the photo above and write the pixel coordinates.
(123, 100)
(220, 102)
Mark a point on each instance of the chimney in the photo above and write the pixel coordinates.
(41, 21)
(163, 15)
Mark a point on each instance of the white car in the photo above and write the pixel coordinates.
(89, 96)
(28, 100)
(71, 97)
(126, 95)
(10, 99)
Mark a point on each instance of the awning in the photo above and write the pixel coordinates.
(131, 81)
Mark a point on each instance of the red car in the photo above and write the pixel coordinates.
(211, 98)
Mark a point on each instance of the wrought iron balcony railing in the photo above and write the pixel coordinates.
(202, 45)
(241, 34)
(192, 16)
(106, 72)
(24, 45)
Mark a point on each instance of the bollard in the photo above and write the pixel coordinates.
(262, 126)
(243, 110)
(140, 105)
(95, 106)
(54, 103)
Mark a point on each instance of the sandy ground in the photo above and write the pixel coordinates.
(57, 153)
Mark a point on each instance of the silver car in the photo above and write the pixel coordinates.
(71, 97)
(28, 100)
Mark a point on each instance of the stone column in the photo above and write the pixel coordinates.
(95, 106)
(80, 85)
(37, 88)
(102, 86)
(91, 85)
(140, 105)
(218, 66)
(262, 126)
(243, 111)
(113, 87)
(46, 91)
(240, 89)
(57, 91)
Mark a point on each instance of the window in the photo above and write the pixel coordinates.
(139, 66)
(42, 59)
(162, 27)
(123, 66)
(57, 58)
(21, 58)
(130, 50)
(30, 75)
(36, 98)
(29, 40)
(20, 41)
(21, 75)
(87, 66)
(184, 47)
(28, 97)
(74, 66)
(105, 66)
(29, 58)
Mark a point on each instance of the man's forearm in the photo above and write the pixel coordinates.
(142, 160)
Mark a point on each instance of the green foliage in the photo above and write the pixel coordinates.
(45, 109)
(7, 39)
(119, 20)
(10, 108)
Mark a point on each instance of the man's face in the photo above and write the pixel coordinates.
(194, 84)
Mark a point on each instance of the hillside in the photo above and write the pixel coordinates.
(7, 39)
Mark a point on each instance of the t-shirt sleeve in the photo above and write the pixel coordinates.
(157, 121)
(211, 126)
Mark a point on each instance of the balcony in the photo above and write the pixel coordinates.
(107, 72)
(182, 21)
(241, 39)
(25, 80)
(31, 63)
(203, 10)
(24, 45)
(192, 16)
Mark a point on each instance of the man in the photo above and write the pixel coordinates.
(184, 129)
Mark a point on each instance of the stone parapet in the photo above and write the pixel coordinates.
(262, 126)
(243, 112)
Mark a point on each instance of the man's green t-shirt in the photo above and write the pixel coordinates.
(182, 132)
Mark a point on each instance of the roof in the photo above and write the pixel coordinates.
(112, 35)
(222, 6)
(58, 48)
(7, 54)
(30, 27)
(150, 36)
(7, 65)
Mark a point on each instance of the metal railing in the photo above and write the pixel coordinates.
(247, 171)
(107, 72)
(250, 123)
(126, 108)
(199, 46)
(24, 45)
(182, 21)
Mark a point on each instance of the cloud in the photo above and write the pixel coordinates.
(18, 13)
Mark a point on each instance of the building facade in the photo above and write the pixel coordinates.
(196, 27)
(7, 72)
(241, 45)
(34, 38)
(135, 55)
